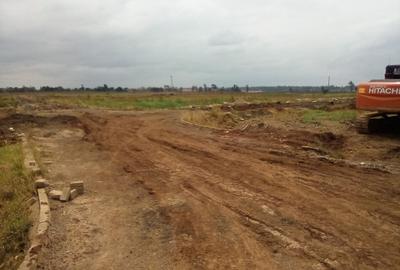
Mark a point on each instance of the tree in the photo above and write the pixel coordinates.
(351, 85)
(235, 88)
(324, 90)
(214, 87)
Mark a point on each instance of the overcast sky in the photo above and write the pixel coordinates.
(135, 43)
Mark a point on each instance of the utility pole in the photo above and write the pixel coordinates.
(329, 80)
(172, 81)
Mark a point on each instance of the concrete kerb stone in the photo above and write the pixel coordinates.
(74, 193)
(78, 186)
(41, 237)
(66, 193)
(42, 195)
(55, 194)
(41, 183)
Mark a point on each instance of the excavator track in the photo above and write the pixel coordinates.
(362, 124)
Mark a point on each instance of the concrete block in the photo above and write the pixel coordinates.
(44, 214)
(55, 194)
(66, 193)
(74, 194)
(42, 228)
(41, 183)
(36, 171)
(78, 185)
(42, 196)
(32, 163)
(42, 235)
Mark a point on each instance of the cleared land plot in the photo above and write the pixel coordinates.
(268, 190)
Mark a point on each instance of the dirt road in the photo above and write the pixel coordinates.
(162, 194)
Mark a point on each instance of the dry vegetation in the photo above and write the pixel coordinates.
(217, 118)
(15, 190)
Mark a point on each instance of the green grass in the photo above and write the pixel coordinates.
(15, 189)
(137, 101)
(146, 100)
(7, 101)
(316, 116)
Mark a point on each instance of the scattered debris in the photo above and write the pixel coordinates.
(68, 193)
(314, 149)
(363, 165)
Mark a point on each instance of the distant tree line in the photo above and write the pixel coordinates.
(204, 88)
(214, 88)
(297, 89)
(104, 88)
(304, 89)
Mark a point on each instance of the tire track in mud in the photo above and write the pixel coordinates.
(198, 199)
(311, 208)
(286, 242)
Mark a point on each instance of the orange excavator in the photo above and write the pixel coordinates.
(381, 98)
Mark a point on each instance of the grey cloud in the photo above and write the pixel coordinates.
(225, 38)
(139, 42)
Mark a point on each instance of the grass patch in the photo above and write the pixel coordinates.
(15, 188)
(316, 116)
(160, 103)
(7, 101)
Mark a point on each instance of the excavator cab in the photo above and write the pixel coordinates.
(392, 72)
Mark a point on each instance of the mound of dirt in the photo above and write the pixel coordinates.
(29, 119)
(394, 152)
(7, 136)
(330, 140)
(12, 124)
